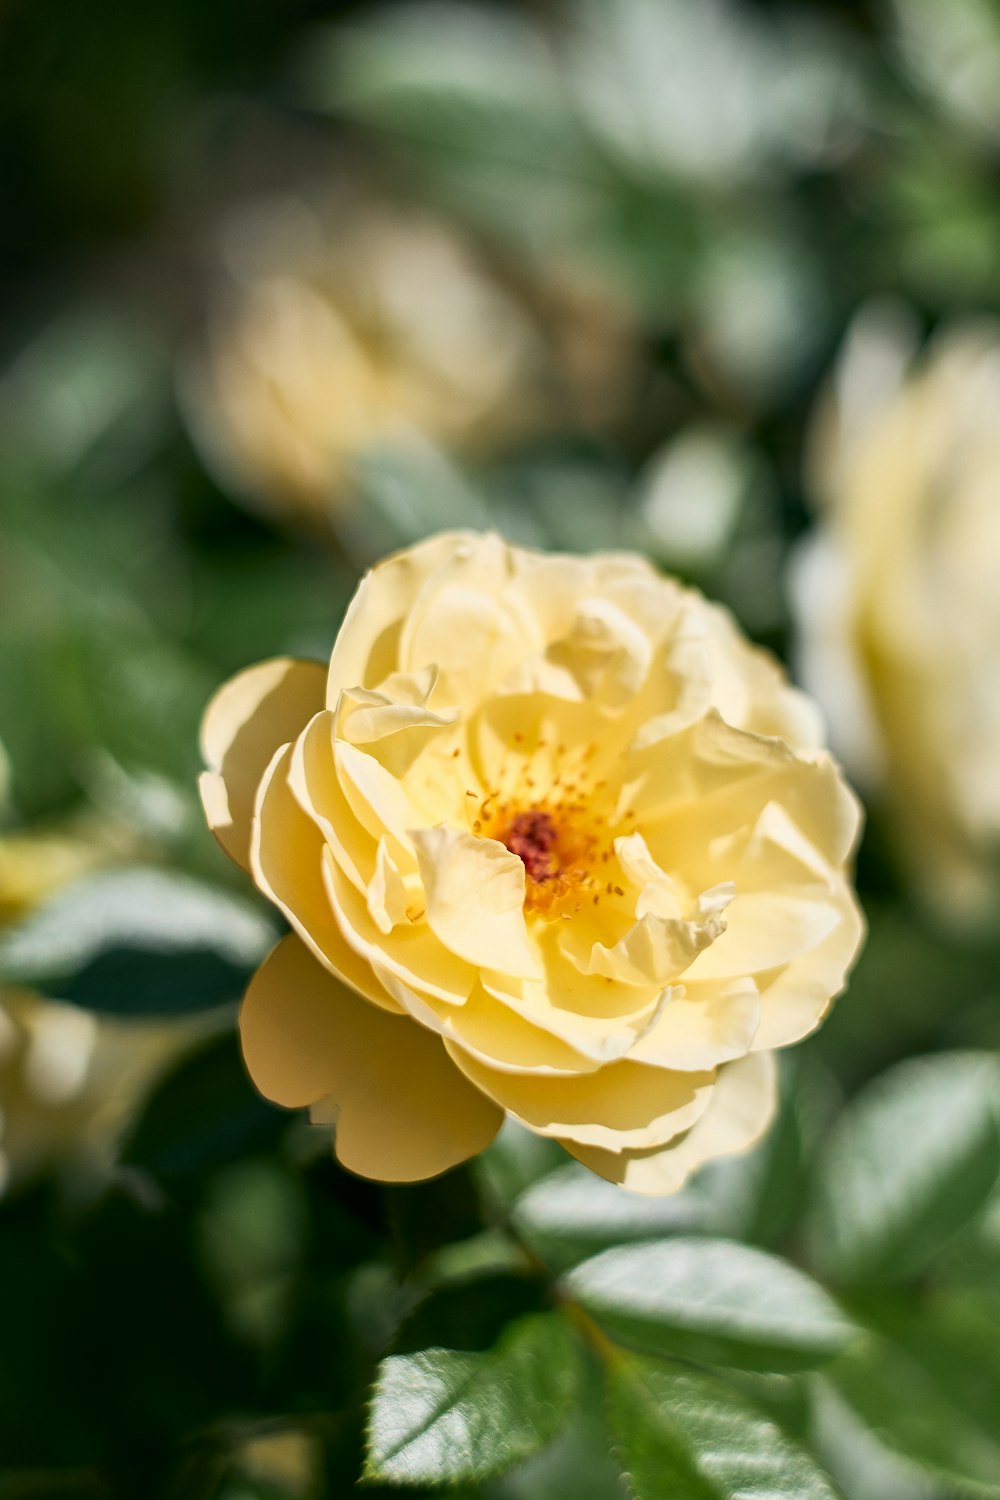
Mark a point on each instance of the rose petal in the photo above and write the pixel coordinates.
(286, 859)
(740, 1109)
(702, 1026)
(246, 721)
(475, 900)
(621, 1105)
(367, 646)
(794, 1001)
(403, 1111)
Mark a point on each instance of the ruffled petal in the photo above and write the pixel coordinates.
(795, 1000)
(623, 1105)
(702, 1026)
(367, 647)
(246, 721)
(741, 1108)
(403, 1111)
(286, 858)
(475, 900)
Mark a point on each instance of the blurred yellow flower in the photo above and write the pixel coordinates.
(68, 1081)
(338, 332)
(553, 839)
(897, 593)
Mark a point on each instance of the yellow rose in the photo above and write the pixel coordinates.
(897, 594)
(554, 840)
(335, 333)
(68, 1081)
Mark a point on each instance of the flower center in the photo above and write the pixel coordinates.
(533, 836)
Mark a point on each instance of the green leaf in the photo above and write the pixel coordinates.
(758, 1196)
(442, 1417)
(712, 1300)
(927, 1381)
(684, 1436)
(909, 1162)
(470, 1314)
(138, 941)
(571, 1214)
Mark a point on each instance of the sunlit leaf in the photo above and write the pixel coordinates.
(442, 1416)
(685, 1436)
(712, 1300)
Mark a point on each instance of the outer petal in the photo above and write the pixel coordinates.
(403, 1110)
(246, 721)
(366, 649)
(740, 1110)
(795, 1001)
(621, 1105)
(286, 856)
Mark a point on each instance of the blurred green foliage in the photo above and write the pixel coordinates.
(223, 1312)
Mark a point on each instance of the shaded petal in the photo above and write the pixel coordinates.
(705, 782)
(312, 777)
(249, 717)
(403, 1111)
(366, 650)
(655, 949)
(702, 1026)
(621, 1105)
(475, 900)
(741, 1108)
(794, 1001)
(286, 859)
(415, 956)
(764, 929)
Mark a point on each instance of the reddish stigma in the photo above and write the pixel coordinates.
(532, 836)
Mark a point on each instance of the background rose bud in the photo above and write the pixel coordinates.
(345, 326)
(897, 593)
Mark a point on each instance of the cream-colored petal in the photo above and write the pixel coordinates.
(795, 1000)
(764, 929)
(598, 1020)
(388, 897)
(377, 799)
(493, 1033)
(702, 1026)
(395, 730)
(249, 717)
(473, 637)
(623, 1105)
(741, 1108)
(656, 891)
(705, 782)
(315, 785)
(475, 900)
(653, 951)
(286, 859)
(415, 956)
(602, 659)
(367, 648)
(403, 1111)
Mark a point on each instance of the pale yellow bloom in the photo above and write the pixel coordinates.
(553, 839)
(897, 594)
(337, 331)
(68, 1080)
